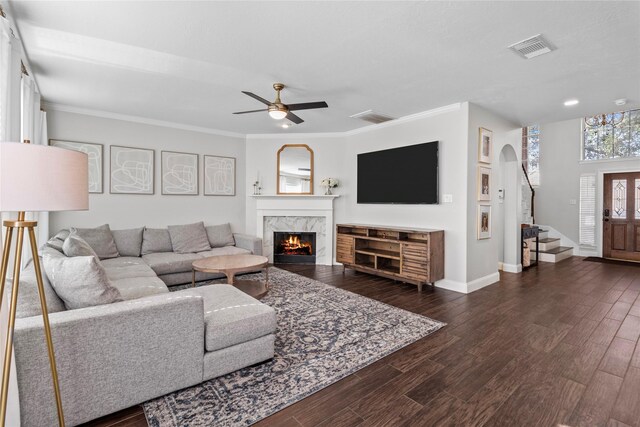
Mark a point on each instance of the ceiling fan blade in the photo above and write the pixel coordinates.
(295, 119)
(307, 106)
(259, 98)
(251, 111)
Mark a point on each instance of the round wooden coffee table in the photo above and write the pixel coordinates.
(230, 265)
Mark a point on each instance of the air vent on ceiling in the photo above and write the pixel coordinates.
(532, 47)
(372, 117)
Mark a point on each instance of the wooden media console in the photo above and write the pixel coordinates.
(409, 255)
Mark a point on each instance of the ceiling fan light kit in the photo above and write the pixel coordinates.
(278, 111)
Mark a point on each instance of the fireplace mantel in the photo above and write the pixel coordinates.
(303, 206)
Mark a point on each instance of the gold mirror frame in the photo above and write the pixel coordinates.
(310, 167)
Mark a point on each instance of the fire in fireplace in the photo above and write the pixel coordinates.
(294, 247)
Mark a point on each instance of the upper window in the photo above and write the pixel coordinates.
(531, 153)
(612, 136)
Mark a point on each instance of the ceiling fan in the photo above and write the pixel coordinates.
(277, 110)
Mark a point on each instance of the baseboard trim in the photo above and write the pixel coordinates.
(467, 288)
(512, 268)
(481, 282)
(452, 285)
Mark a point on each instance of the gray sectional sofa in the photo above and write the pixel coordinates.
(147, 344)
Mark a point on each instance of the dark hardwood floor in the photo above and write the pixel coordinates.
(554, 346)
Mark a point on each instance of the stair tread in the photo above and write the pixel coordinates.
(549, 240)
(557, 250)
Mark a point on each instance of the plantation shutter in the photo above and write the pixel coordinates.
(588, 210)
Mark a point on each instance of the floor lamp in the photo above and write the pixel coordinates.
(35, 178)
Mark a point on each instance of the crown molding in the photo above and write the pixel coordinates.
(138, 119)
(255, 136)
(364, 129)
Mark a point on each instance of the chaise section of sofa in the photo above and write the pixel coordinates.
(113, 356)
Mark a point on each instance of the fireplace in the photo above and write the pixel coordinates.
(294, 247)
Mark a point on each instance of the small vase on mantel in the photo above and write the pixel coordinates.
(328, 192)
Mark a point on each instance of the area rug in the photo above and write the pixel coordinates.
(324, 334)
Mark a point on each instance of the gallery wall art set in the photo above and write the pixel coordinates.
(485, 148)
(132, 170)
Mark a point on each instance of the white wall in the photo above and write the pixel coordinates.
(126, 210)
(560, 170)
(449, 127)
(483, 255)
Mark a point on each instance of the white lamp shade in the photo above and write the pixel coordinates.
(42, 178)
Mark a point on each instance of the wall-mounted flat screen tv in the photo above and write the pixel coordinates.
(404, 175)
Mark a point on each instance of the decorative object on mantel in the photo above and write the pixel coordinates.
(321, 340)
(328, 184)
(257, 188)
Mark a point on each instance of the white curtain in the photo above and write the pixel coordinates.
(33, 129)
(9, 131)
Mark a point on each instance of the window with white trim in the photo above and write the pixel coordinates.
(588, 210)
(531, 153)
(611, 136)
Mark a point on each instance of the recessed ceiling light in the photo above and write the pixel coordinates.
(571, 102)
(620, 102)
(286, 125)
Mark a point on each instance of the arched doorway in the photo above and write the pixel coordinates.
(508, 185)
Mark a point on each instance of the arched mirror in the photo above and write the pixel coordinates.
(295, 169)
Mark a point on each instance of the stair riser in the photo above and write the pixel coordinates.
(553, 257)
(549, 246)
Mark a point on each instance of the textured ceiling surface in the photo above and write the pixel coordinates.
(186, 62)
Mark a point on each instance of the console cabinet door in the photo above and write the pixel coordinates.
(345, 249)
(415, 261)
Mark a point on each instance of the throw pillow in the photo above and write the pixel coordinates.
(79, 281)
(100, 239)
(156, 240)
(75, 245)
(220, 235)
(189, 238)
(128, 242)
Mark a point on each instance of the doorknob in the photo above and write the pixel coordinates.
(605, 214)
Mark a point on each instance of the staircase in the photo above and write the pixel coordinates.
(550, 248)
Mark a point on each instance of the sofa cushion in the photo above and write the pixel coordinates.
(169, 262)
(189, 238)
(75, 245)
(156, 240)
(28, 295)
(133, 277)
(100, 239)
(57, 241)
(232, 317)
(220, 235)
(128, 242)
(227, 250)
(79, 281)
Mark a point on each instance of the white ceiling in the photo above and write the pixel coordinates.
(186, 62)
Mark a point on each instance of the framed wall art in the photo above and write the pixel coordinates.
(484, 222)
(484, 183)
(219, 176)
(179, 172)
(94, 153)
(131, 170)
(485, 145)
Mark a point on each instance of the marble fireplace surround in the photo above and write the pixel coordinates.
(296, 213)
